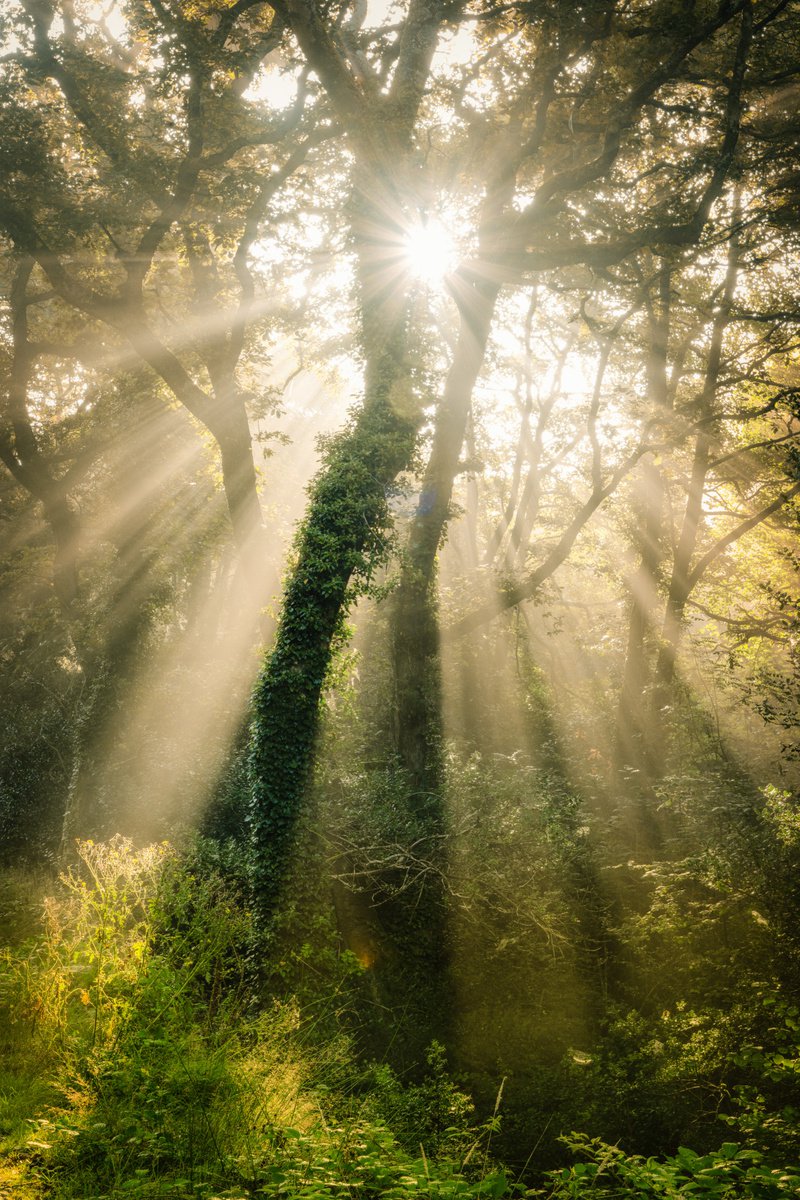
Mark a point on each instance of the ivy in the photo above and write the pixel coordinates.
(345, 538)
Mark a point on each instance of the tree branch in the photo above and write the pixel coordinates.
(700, 568)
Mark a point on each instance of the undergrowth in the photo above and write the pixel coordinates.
(159, 1076)
(140, 1061)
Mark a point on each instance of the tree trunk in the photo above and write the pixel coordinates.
(108, 665)
(239, 480)
(633, 731)
(343, 536)
(680, 584)
(415, 624)
(411, 972)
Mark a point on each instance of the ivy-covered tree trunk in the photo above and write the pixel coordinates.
(342, 538)
(344, 533)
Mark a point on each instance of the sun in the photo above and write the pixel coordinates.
(430, 252)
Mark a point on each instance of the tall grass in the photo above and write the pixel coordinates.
(159, 1075)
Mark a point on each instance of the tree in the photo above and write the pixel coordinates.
(593, 68)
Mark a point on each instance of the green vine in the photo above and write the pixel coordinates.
(344, 540)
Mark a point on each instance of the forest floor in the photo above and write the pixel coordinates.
(139, 1062)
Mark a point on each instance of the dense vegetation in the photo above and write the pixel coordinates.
(399, 599)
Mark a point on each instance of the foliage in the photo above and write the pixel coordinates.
(165, 1081)
(40, 689)
(767, 1094)
(433, 1112)
(730, 1172)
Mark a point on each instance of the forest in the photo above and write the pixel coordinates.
(399, 599)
